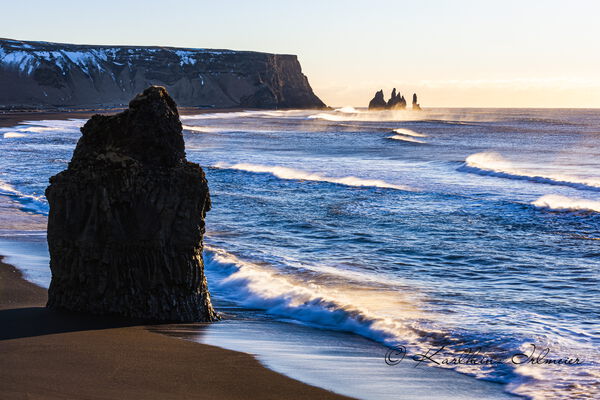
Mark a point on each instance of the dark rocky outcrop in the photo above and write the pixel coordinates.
(46, 75)
(415, 104)
(126, 219)
(396, 102)
(378, 102)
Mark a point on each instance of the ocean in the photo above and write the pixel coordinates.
(469, 231)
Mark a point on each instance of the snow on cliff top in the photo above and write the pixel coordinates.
(26, 56)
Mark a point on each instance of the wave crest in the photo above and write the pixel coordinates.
(12, 135)
(406, 139)
(296, 174)
(493, 164)
(32, 203)
(408, 132)
(564, 203)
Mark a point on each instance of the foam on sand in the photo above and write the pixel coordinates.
(296, 174)
(383, 313)
(313, 299)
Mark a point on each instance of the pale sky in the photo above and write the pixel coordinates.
(452, 53)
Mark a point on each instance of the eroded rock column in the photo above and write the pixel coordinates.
(126, 219)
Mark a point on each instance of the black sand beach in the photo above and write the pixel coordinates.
(47, 354)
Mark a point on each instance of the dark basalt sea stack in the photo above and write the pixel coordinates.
(127, 219)
(415, 104)
(396, 102)
(378, 102)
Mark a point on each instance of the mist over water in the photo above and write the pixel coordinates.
(461, 227)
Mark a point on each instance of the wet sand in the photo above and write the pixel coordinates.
(55, 355)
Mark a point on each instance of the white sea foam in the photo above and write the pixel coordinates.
(11, 135)
(32, 127)
(382, 315)
(563, 203)
(201, 129)
(405, 138)
(408, 132)
(347, 110)
(369, 116)
(247, 114)
(37, 204)
(296, 174)
(493, 164)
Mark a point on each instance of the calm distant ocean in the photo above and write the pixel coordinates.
(454, 228)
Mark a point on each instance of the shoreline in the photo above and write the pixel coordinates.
(10, 119)
(61, 355)
(322, 358)
(280, 353)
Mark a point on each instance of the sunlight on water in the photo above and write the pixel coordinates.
(445, 227)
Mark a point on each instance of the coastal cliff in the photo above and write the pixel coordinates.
(49, 75)
(126, 219)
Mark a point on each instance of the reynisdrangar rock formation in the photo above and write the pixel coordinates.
(378, 102)
(126, 219)
(396, 102)
(415, 103)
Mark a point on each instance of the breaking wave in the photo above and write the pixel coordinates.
(201, 129)
(351, 114)
(32, 203)
(382, 313)
(563, 203)
(296, 174)
(11, 135)
(493, 164)
(347, 110)
(408, 132)
(406, 139)
(311, 300)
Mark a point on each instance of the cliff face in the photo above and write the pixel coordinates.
(126, 219)
(41, 74)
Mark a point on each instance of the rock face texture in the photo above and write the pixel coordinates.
(126, 219)
(378, 102)
(396, 101)
(46, 75)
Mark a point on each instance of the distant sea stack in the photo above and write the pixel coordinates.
(396, 102)
(56, 75)
(415, 104)
(378, 102)
(126, 219)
